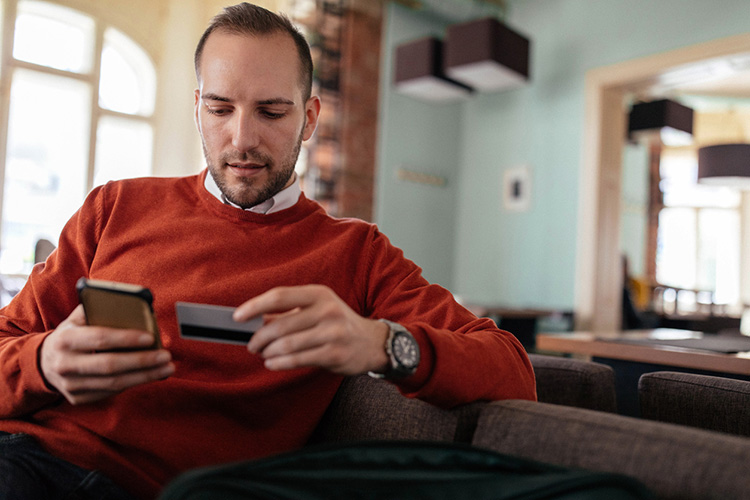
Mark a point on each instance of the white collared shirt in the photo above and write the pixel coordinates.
(284, 199)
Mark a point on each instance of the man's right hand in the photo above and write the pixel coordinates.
(78, 360)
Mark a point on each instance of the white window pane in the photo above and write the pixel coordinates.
(676, 248)
(45, 172)
(123, 149)
(128, 78)
(719, 254)
(54, 36)
(679, 172)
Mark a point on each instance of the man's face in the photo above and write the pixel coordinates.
(250, 113)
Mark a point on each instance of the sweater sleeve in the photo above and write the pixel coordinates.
(464, 358)
(47, 298)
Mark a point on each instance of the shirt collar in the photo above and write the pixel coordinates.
(284, 199)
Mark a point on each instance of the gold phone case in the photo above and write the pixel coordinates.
(118, 305)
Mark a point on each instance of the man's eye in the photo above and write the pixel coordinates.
(272, 115)
(216, 111)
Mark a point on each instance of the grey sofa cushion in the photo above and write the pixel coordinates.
(673, 461)
(713, 403)
(574, 382)
(370, 409)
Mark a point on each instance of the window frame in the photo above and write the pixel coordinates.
(8, 66)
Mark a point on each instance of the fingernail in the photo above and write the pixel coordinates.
(163, 357)
(166, 371)
(145, 339)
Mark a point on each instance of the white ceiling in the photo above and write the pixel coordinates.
(727, 77)
(712, 84)
(736, 85)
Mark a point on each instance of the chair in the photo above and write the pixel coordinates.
(574, 382)
(713, 403)
(42, 249)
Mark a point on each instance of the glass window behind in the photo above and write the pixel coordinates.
(45, 170)
(128, 80)
(123, 149)
(699, 233)
(53, 36)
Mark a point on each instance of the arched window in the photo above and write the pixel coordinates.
(76, 111)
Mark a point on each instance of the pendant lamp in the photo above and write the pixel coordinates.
(725, 165)
(419, 72)
(486, 55)
(670, 119)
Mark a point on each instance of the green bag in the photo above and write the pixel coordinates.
(399, 470)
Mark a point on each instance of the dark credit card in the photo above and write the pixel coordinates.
(214, 324)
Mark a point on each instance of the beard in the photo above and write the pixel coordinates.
(251, 191)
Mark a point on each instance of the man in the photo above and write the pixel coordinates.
(239, 234)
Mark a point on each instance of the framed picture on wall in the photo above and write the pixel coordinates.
(517, 189)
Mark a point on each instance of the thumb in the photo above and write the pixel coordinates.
(77, 317)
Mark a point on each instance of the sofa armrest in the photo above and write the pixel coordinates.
(366, 409)
(672, 461)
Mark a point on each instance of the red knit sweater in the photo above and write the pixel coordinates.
(222, 405)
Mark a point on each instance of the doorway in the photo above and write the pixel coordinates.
(598, 267)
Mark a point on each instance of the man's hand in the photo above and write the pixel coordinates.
(78, 361)
(311, 326)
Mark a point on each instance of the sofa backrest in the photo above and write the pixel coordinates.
(713, 403)
(673, 461)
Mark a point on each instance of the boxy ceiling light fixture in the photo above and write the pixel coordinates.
(670, 119)
(486, 55)
(419, 72)
(725, 165)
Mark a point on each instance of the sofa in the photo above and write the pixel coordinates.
(573, 425)
(565, 427)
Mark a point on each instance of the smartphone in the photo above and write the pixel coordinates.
(118, 305)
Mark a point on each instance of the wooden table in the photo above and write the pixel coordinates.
(606, 345)
(631, 360)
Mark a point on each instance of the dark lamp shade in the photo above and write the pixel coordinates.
(673, 120)
(486, 55)
(725, 165)
(419, 72)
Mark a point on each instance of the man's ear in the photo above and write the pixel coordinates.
(196, 109)
(312, 112)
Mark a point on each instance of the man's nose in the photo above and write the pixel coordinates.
(245, 135)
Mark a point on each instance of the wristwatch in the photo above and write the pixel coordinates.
(403, 353)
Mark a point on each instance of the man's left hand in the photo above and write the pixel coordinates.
(311, 326)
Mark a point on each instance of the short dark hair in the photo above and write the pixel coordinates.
(248, 19)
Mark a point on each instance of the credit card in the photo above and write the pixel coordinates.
(214, 324)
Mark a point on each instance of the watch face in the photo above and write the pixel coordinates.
(405, 350)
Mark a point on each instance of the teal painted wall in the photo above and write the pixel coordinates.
(424, 138)
(521, 259)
